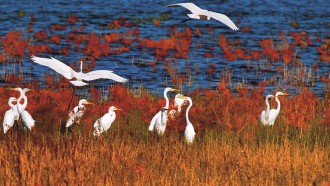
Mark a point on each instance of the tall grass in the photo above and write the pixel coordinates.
(128, 154)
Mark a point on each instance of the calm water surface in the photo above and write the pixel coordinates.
(266, 19)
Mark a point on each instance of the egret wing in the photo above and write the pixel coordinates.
(56, 65)
(190, 6)
(102, 74)
(220, 17)
(154, 120)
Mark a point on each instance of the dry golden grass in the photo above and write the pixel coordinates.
(128, 155)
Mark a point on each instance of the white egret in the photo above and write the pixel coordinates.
(68, 73)
(198, 13)
(158, 122)
(104, 123)
(189, 132)
(27, 119)
(178, 102)
(9, 118)
(77, 113)
(273, 113)
(264, 116)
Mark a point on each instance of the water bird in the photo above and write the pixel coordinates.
(69, 73)
(198, 13)
(10, 116)
(189, 132)
(104, 123)
(273, 113)
(178, 102)
(265, 113)
(158, 122)
(27, 119)
(77, 113)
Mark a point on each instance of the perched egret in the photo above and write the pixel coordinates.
(77, 113)
(189, 132)
(198, 13)
(104, 123)
(9, 118)
(27, 119)
(178, 102)
(273, 113)
(158, 122)
(68, 73)
(264, 116)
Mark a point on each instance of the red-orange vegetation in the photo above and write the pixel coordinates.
(255, 54)
(41, 35)
(37, 49)
(266, 43)
(65, 51)
(222, 41)
(208, 55)
(306, 102)
(156, 22)
(57, 27)
(197, 32)
(13, 45)
(211, 69)
(245, 29)
(55, 39)
(73, 19)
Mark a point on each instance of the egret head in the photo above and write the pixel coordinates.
(281, 94)
(84, 101)
(12, 99)
(171, 89)
(113, 108)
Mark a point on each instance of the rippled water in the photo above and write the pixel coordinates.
(266, 19)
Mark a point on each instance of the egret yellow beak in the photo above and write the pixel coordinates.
(118, 109)
(182, 97)
(89, 103)
(175, 90)
(284, 94)
(11, 88)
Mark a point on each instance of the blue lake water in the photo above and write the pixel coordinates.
(266, 19)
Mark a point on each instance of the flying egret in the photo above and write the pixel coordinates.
(198, 13)
(9, 118)
(178, 102)
(27, 119)
(189, 132)
(158, 122)
(273, 113)
(104, 123)
(264, 116)
(77, 113)
(68, 73)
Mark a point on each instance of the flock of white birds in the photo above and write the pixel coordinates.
(158, 122)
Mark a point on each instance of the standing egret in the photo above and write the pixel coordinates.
(68, 73)
(273, 113)
(264, 116)
(9, 118)
(178, 102)
(27, 119)
(104, 123)
(77, 113)
(189, 132)
(158, 122)
(198, 13)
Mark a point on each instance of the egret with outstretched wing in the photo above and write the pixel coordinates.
(69, 73)
(198, 13)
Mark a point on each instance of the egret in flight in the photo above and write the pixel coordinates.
(27, 119)
(158, 122)
(273, 113)
(68, 73)
(104, 123)
(77, 113)
(198, 13)
(10, 116)
(264, 116)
